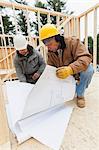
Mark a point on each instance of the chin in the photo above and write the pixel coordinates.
(54, 50)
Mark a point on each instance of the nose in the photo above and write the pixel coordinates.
(49, 47)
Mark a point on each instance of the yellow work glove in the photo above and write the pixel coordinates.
(64, 72)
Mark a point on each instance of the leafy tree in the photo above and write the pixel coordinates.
(90, 44)
(59, 6)
(7, 24)
(8, 27)
(43, 17)
(22, 21)
(56, 5)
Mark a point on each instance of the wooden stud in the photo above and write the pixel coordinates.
(78, 28)
(48, 18)
(16, 28)
(4, 130)
(86, 31)
(95, 40)
(58, 19)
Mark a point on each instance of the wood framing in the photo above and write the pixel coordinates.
(4, 130)
(95, 40)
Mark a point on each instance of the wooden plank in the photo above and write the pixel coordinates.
(34, 9)
(4, 130)
(48, 18)
(78, 28)
(16, 27)
(75, 27)
(65, 22)
(86, 31)
(66, 30)
(95, 40)
(6, 146)
(58, 19)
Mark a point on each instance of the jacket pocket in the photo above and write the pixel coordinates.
(33, 62)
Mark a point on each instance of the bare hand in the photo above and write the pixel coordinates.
(35, 76)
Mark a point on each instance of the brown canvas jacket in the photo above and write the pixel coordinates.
(75, 55)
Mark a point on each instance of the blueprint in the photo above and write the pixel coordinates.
(48, 92)
(40, 106)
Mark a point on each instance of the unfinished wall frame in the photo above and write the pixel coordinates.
(85, 14)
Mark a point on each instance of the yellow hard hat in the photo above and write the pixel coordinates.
(47, 31)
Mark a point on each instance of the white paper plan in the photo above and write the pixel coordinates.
(49, 126)
(48, 92)
(33, 109)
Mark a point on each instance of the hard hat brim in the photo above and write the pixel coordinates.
(21, 48)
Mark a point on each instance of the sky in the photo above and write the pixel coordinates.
(79, 6)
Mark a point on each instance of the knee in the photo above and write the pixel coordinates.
(89, 72)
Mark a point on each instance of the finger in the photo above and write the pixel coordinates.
(61, 77)
(59, 69)
(34, 77)
(60, 73)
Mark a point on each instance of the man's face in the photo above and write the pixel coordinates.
(23, 51)
(52, 45)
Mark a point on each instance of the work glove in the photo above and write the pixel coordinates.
(64, 72)
(35, 76)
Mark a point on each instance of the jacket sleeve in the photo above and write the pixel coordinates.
(82, 58)
(42, 63)
(19, 73)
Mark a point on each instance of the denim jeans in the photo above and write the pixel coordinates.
(85, 79)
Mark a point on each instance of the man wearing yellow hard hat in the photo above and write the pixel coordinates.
(70, 57)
